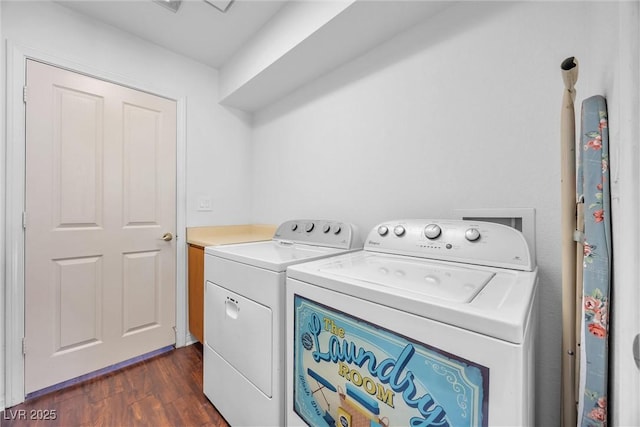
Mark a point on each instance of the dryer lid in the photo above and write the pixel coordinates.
(274, 255)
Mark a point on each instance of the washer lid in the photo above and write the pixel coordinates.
(495, 302)
(428, 280)
(274, 255)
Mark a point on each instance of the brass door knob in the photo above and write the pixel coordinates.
(167, 237)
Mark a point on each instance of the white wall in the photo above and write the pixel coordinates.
(217, 139)
(625, 195)
(460, 112)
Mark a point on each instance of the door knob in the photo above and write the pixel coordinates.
(167, 237)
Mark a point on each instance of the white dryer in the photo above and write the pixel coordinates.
(244, 316)
(433, 324)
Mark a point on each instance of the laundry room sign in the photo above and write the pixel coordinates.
(352, 373)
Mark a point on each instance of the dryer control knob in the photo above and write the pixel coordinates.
(337, 229)
(309, 227)
(398, 230)
(472, 234)
(326, 228)
(432, 231)
(294, 226)
(383, 230)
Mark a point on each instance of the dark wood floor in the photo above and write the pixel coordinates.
(163, 391)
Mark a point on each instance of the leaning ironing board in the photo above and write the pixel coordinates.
(593, 190)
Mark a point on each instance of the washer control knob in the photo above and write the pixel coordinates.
(337, 229)
(326, 228)
(294, 226)
(383, 230)
(398, 230)
(432, 231)
(472, 234)
(309, 227)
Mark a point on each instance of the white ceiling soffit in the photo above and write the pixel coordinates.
(359, 27)
(197, 30)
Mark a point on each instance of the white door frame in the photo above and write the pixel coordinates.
(15, 199)
(625, 375)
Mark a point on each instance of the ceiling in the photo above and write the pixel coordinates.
(198, 30)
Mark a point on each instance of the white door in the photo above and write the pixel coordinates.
(100, 195)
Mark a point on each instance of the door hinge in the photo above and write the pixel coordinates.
(24, 346)
(24, 220)
(24, 94)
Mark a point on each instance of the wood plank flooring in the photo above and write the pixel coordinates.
(165, 390)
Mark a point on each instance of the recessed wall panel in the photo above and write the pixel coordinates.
(141, 291)
(77, 159)
(78, 302)
(141, 140)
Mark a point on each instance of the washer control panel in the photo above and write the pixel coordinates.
(333, 234)
(472, 242)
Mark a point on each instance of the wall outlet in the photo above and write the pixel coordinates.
(205, 204)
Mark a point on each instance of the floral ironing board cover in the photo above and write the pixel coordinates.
(593, 189)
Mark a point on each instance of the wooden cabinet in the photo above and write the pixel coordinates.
(196, 291)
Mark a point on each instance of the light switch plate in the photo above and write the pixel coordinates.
(205, 204)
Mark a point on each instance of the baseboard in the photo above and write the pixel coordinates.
(190, 339)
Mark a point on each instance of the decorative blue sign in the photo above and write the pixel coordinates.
(352, 373)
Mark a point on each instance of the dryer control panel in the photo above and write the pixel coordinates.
(332, 234)
(471, 242)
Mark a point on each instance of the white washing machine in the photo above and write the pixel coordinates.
(244, 316)
(432, 324)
